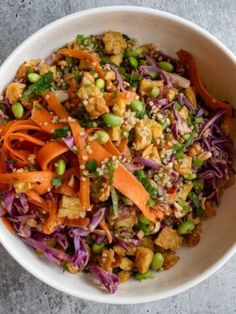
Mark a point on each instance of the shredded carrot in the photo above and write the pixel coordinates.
(8, 224)
(214, 104)
(126, 183)
(48, 152)
(43, 118)
(79, 222)
(83, 54)
(32, 177)
(104, 227)
(36, 199)
(53, 221)
(72, 88)
(55, 105)
(123, 145)
(111, 148)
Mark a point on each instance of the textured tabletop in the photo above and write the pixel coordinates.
(22, 293)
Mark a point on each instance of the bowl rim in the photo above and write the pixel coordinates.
(110, 299)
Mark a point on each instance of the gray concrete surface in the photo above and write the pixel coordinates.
(22, 293)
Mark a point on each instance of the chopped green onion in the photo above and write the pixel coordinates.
(62, 132)
(56, 181)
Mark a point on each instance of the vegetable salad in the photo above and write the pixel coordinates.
(112, 153)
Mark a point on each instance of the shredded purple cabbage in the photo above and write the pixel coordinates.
(109, 280)
(96, 218)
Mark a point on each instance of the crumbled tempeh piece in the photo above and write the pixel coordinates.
(70, 207)
(143, 259)
(168, 238)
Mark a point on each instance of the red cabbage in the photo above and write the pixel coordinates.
(96, 218)
(53, 254)
(147, 163)
(69, 141)
(9, 200)
(133, 167)
(183, 100)
(210, 122)
(24, 203)
(120, 85)
(81, 256)
(109, 280)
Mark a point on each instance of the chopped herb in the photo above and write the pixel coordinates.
(115, 201)
(114, 95)
(196, 203)
(126, 37)
(56, 181)
(91, 165)
(42, 85)
(146, 183)
(62, 132)
(198, 184)
(111, 170)
(184, 205)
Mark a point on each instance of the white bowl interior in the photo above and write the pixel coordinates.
(217, 67)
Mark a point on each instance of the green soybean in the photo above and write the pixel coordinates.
(60, 166)
(100, 83)
(133, 62)
(157, 261)
(143, 219)
(18, 110)
(143, 276)
(102, 137)
(137, 106)
(155, 91)
(133, 52)
(34, 77)
(186, 227)
(167, 66)
(97, 247)
(111, 119)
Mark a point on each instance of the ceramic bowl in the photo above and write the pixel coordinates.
(217, 67)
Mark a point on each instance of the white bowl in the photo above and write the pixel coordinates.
(217, 67)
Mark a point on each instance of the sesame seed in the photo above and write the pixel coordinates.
(85, 172)
(84, 157)
(82, 167)
(83, 179)
(47, 97)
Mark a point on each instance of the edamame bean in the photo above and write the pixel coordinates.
(102, 136)
(133, 62)
(60, 166)
(143, 219)
(33, 77)
(155, 91)
(143, 276)
(100, 83)
(97, 247)
(186, 227)
(133, 52)
(18, 110)
(137, 106)
(153, 74)
(167, 66)
(111, 119)
(157, 261)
